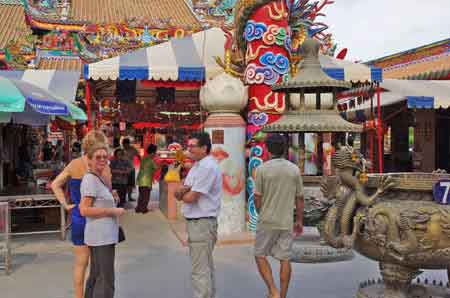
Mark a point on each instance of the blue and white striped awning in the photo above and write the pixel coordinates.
(192, 59)
(344, 70)
(416, 94)
(187, 59)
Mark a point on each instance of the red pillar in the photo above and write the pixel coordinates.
(371, 145)
(379, 131)
(88, 105)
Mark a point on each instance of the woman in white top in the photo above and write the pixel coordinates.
(102, 229)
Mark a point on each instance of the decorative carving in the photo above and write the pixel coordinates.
(232, 63)
(278, 12)
(104, 41)
(215, 13)
(252, 55)
(224, 94)
(392, 219)
(59, 40)
(277, 103)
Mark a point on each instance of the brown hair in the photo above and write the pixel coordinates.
(93, 141)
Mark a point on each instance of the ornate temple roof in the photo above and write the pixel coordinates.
(72, 64)
(175, 13)
(11, 2)
(431, 61)
(433, 68)
(12, 22)
(114, 11)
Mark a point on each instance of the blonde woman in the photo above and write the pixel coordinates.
(72, 175)
(102, 229)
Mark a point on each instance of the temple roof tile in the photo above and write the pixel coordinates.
(12, 23)
(72, 64)
(165, 13)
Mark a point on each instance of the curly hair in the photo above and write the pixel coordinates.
(93, 141)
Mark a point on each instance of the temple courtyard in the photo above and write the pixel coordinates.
(153, 263)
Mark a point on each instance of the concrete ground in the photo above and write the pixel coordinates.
(153, 263)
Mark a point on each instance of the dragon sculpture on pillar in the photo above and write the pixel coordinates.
(267, 38)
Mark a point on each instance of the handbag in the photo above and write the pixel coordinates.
(121, 236)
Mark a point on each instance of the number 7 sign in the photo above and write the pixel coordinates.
(441, 191)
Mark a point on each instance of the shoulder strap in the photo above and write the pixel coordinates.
(99, 178)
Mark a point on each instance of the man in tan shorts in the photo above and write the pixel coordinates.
(278, 190)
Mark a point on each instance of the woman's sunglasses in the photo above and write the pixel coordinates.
(101, 157)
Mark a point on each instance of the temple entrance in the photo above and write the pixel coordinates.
(161, 113)
(150, 112)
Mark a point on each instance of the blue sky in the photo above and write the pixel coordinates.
(375, 28)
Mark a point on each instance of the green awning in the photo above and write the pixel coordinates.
(11, 100)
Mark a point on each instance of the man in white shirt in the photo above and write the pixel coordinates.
(202, 195)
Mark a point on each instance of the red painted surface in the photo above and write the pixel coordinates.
(88, 105)
(342, 54)
(170, 84)
(260, 91)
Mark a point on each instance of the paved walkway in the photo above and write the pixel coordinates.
(152, 263)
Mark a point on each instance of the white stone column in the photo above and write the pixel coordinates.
(224, 97)
(227, 133)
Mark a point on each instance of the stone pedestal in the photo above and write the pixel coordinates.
(372, 288)
(309, 247)
(227, 131)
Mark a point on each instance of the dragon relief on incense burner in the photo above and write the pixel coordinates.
(390, 218)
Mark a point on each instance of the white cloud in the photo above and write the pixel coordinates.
(375, 28)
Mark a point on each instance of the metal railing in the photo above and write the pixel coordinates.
(5, 237)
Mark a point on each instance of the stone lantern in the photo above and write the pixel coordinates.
(311, 83)
(224, 97)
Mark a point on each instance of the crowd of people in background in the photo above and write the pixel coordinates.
(52, 156)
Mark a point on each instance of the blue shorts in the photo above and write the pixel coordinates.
(78, 233)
